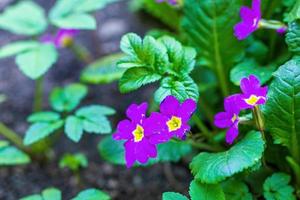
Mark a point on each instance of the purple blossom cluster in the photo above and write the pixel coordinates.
(62, 38)
(253, 95)
(143, 134)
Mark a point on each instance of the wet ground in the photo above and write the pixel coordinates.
(119, 182)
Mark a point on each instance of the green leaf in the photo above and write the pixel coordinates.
(92, 5)
(67, 98)
(92, 194)
(200, 191)
(51, 194)
(147, 53)
(10, 155)
(282, 110)
(76, 21)
(294, 13)
(73, 161)
(293, 37)
(209, 27)
(182, 89)
(74, 128)
(103, 70)
(276, 187)
(94, 119)
(249, 67)
(33, 197)
(113, 151)
(173, 196)
(47, 116)
(137, 77)
(40, 130)
(236, 190)
(37, 61)
(213, 168)
(17, 47)
(3, 143)
(25, 18)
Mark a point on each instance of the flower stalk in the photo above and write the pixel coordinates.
(38, 94)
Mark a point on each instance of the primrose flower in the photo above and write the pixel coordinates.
(171, 2)
(63, 38)
(250, 20)
(173, 119)
(137, 147)
(253, 93)
(229, 119)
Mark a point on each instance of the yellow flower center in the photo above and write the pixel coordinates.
(174, 123)
(234, 118)
(138, 133)
(252, 100)
(66, 41)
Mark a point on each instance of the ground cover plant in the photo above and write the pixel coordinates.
(224, 101)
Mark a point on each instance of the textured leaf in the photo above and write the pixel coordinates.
(43, 117)
(73, 161)
(276, 187)
(51, 194)
(282, 110)
(293, 37)
(173, 196)
(17, 47)
(209, 27)
(181, 89)
(25, 18)
(10, 155)
(113, 151)
(200, 191)
(67, 98)
(103, 70)
(74, 128)
(294, 13)
(37, 61)
(236, 190)
(92, 194)
(212, 168)
(137, 77)
(40, 130)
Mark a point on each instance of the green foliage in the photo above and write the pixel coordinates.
(74, 14)
(47, 116)
(10, 155)
(293, 37)
(17, 47)
(25, 18)
(173, 196)
(236, 190)
(208, 26)
(294, 14)
(47, 194)
(67, 98)
(150, 60)
(113, 151)
(249, 67)
(37, 61)
(103, 70)
(200, 191)
(276, 187)
(73, 161)
(282, 110)
(212, 168)
(92, 194)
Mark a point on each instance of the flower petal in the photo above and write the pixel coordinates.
(124, 130)
(187, 109)
(169, 106)
(230, 104)
(242, 30)
(232, 134)
(137, 112)
(180, 133)
(144, 150)
(130, 156)
(223, 120)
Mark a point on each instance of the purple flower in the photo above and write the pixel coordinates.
(171, 2)
(63, 38)
(137, 147)
(229, 119)
(253, 93)
(172, 119)
(281, 30)
(250, 20)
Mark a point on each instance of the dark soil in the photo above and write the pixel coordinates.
(119, 182)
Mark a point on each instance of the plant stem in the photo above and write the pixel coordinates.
(38, 94)
(202, 126)
(259, 121)
(12, 137)
(81, 53)
(296, 168)
(203, 146)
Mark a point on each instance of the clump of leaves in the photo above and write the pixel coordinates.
(73, 161)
